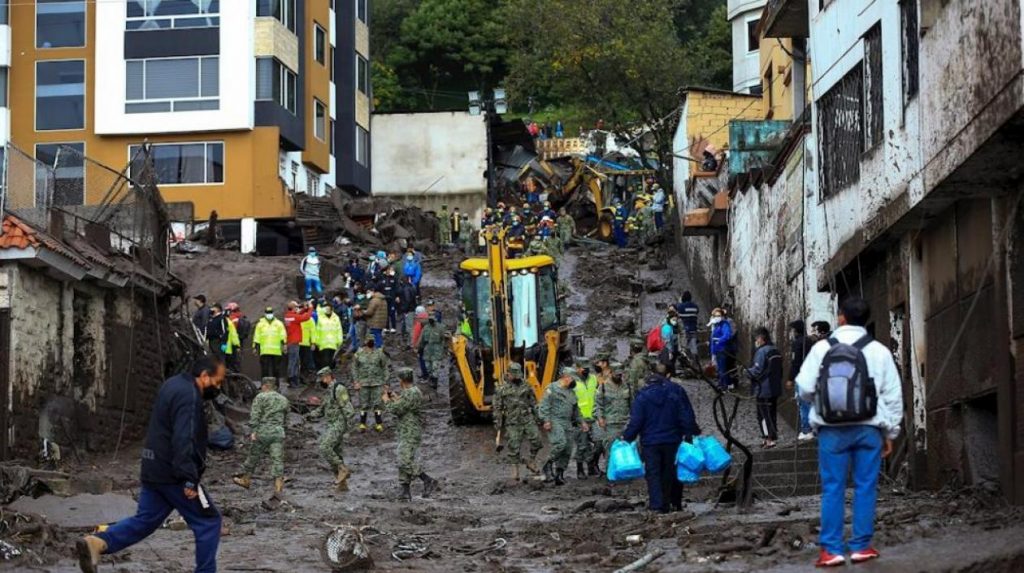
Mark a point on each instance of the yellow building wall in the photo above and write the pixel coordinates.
(777, 78)
(251, 187)
(709, 113)
(318, 86)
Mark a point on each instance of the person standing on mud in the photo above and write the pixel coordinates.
(431, 347)
(338, 410)
(587, 451)
(566, 227)
(376, 314)
(467, 236)
(295, 319)
(268, 342)
(267, 418)
(614, 398)
(173, 463)
(444, 227)
(201, 316)
(637, 370)
(329, 336)
(369, 374)
(515, 419)
(407, 408)
(560, 414)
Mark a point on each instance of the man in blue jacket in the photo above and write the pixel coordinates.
(173, 462)
(662, 417)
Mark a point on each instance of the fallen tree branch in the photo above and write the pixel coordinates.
(642, 562)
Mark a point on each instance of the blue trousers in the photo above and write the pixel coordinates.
(156, 501)
(722, 365)
(619, 234)
(659, 220)
(805, 415)
(842, 450)
(663, 489)
(313, 284)
(378, 337)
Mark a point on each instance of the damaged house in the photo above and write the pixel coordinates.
(85, 337)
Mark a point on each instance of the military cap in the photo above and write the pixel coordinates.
(515, 368)
(615, 366)
(583, 362)
(404, 374)
(569, 371)
(636, 344)
(269, 381)
(324, 371)
(602, 357)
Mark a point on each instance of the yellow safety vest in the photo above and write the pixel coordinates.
(328, 332)
(308, 332)
(586, 395)
(269, 336)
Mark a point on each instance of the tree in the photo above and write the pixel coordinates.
(624, 60)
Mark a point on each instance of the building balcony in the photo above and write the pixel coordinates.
(785, 19)
(708, 220)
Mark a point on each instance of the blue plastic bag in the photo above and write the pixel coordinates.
(690, 457)
(624, 461)
(686, 476)
(716, 459)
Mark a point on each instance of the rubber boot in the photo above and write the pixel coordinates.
(243, 481)
(559, 477)
(580, 473)
(278, 485)
(342, 481)
(515, 472)
(404, 494)
(549, 474)
(362, 421)
(89, 549)
(429, 484)
(594, 467)
(531, 466)
(378, 419)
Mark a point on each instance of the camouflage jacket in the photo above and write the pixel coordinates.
(337, 406)
(370, 367)
(559, 406)
(432, 341)
(268, 414)
(613, 403)
(636, 372)
(408, 409)
(514, 405)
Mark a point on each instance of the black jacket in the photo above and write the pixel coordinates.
(661, 414)
(407, 292)
(175, 451)
(217, 327)
(766, 373)
(799, 347)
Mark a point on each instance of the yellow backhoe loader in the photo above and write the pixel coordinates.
(511, 312)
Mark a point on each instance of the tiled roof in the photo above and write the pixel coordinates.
(18, 234)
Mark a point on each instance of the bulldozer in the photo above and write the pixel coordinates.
(510, 312)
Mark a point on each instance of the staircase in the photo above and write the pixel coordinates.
(786, 471)
(317, 220)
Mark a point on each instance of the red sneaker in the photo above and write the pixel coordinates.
(826, 559)
(863, 555)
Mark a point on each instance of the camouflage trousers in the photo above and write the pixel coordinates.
(515, 435)
(332, 444)
(408, 469)
(587, 443)
(262, 448)
(561, 445)
(370, 400)
(434, 366)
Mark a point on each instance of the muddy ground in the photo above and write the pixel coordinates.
(482, 521)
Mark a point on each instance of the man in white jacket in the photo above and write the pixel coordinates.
(856, 447)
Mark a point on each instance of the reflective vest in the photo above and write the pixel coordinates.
(586, 394)
(308, 332)
(269, 336)
(233, 340)
(328, 332)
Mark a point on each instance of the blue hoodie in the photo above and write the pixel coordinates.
(413, 270)
(661, 414)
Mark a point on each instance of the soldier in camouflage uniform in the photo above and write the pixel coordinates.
(338, 410)
(586, 436)
(560, 414)
(515, 416)
(267, 419)
(431, 344)
(614, 400)
(638, 369)
(407, 408)
(369, 373)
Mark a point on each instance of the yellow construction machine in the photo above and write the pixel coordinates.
(511, 313)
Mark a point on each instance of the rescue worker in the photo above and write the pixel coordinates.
(268, 342)
(233, 349)
(516, 238)
(637, 370)
(242, 328)
(338, 410)
(267, 418)
(431, 347)
(721, 344)
(515, 419)
(329, 336)
(294, 318)
(310, 267)
(306, 353)
(688, 312)
(467, 236)
(217, 332)
(369, 373)
(407, 408)
(566, 227)
(548, 211)
(619, 225)
(658, 201)
(586, 394)
(444, 227)
(614, 399)
(456, 227)
(560, 413)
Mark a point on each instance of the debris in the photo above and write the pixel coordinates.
(190, 248)
(642, 562)
(8, 550)
(344, 549)
(78, 511)
(635, 539)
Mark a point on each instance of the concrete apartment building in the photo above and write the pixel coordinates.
(744, 16)
(245, 103)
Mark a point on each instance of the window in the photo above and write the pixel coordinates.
(172, 84)
(769, 77)
(183, 163)
(283, 10)
(547, 298)
(4, 16)
(756, 89)
(362, 146)
(60, 23)
(910, 51)
(3, 86)
(523, 295)
(362, 74)
(319, 44)
(275, 82)
(874, 114)
(60, 174)
(331, 137)
(319, 120)
(361, 10)
(60, 95)
(753, 39)
(162, 14)
(840, 125)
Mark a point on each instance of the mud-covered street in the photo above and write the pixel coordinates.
(480, 520)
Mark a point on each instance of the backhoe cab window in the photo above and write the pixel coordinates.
(523, 292)
(547, 295)
(476, 298)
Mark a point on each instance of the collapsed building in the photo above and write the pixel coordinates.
(85, 300)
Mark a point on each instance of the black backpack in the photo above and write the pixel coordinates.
(846, 392)
(244, 328)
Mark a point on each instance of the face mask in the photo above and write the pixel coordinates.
(408, 257)
(210, 392)
(572, 384)
(716, 319)
(270, 316)
(598, 368)
(585, 373)
(672, 322)
(517, 381)
(327, 311)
